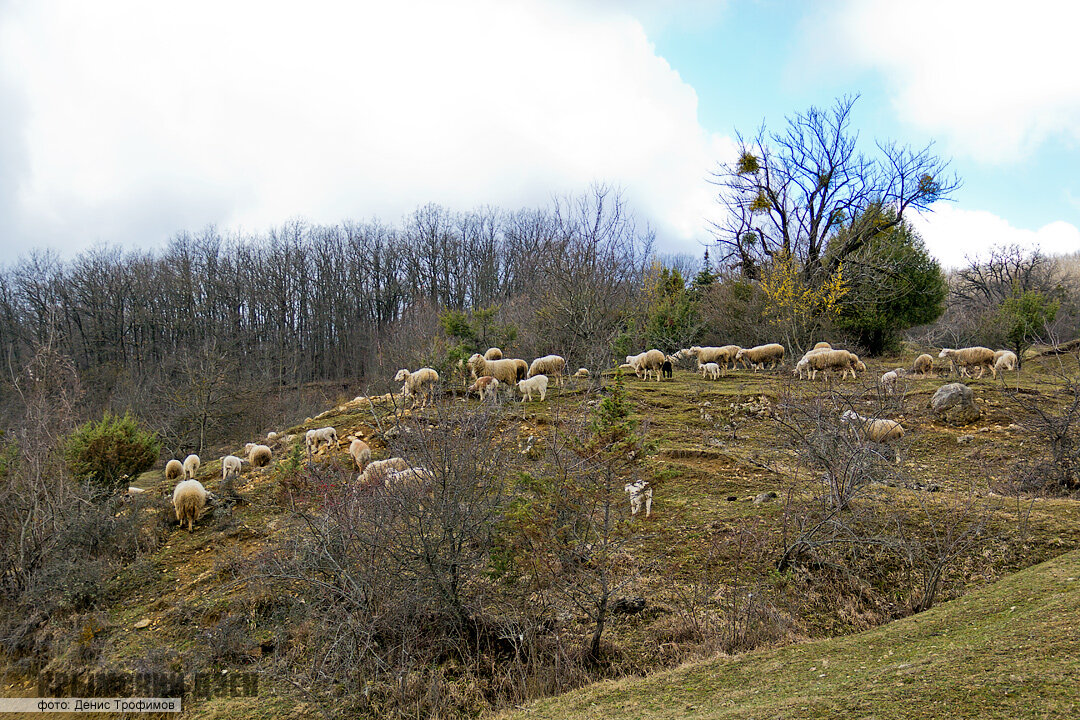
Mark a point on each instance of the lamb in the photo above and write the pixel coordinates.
(877, 430)
(650, 361)
(173, 469)
(711, 371)
(1003, 360)
(493, 353)
(640, 492)
(507, 371)
(189, 498)
(191, 466)
(722, 356)
(314, 438)
(379, 469)
(773, 353)
(627, 366)
(537, 384)
(890, 379)
(550, 365)
(667, 369)
(964, 358)
(230, 467)
(924, 365)
(825, 360)
(361, 453)
(259, 455)
(420, 383)
(485, 386)
(582, 373)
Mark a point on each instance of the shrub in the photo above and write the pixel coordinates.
(107, 451)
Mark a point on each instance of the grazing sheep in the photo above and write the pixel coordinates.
(361, 453)
(627, 366)
(191, 466)
(722, 356)
(582, 373)
(822, 346)
(314, 438)
(507, 371)
(650, 361)
(924, 365)
(230, 467)
(756, 357)
(173, 469)
(826, 360)
(667, 369)
(259, 455)
(378, 469)
(417, 384)
(640, 493)
(189, 498)
(877, 430)
(271, 436)
(421, 476)
(710, 371)
(1003, 360)
(485, 386)
(550, 365)
(537, 384)
(964, 358)
(493, 353)
(890, 379)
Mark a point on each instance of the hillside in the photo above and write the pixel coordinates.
(705, 562)
(1010, 650)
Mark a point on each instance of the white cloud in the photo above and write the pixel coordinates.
(952, 235)
(994, 78)
(142, 119)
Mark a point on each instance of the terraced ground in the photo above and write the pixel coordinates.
(710, 447)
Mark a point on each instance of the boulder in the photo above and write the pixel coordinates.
(954, 404)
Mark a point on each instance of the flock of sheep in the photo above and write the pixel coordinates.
(491, 372)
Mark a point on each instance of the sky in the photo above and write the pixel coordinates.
(124, 122)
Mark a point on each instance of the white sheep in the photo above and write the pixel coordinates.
(822, 346)
(421, 476)
(877, 430)
(923, 365)
(230, 467)
(485, 386)
(826, 360)
(173, 469)
(582, 373)
(378, 469)
(711, 371)
(507, 371)
(722, 356)
(964, 358)
(361, 453)
(890, 379)
(756, 357)
(1003, 360)
(551, 365)
(271, 436)
(189, 498)
(640, 492)
(493, 353)
(260, 455)
(537, 384)
(319, 436)
(191, 466)
(418, 384)
(648, 362)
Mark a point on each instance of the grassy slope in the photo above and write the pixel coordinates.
(1011, 650)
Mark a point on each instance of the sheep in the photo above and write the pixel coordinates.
(420, 383)
(271, 436)
(773, 353)
(191, 466)
(640, 492)
(314, 438)
(710, 371)
(650, 361)
(361, 453)
(550, 365)
(877, 430)
(722, 356)
(189, 498)
(1003, 360)
(493, 353)
(964, 358)
(667, 369)
(628, 367)
(507, 371)
(378, 469)
(485, 386)
(582, 373)
(825, 360)
(537, 383)
(822, 346)
(924, 365)
(230, 467)
(173, 469)
(890, 379)
(422, 476)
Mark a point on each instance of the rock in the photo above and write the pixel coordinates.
(954, 404)
(145, 622)
(731, 498)
(765, 497)
(628, 606)
(965, 439)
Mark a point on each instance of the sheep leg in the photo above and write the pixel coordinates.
(648, 505)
